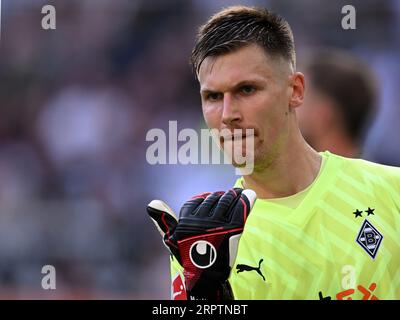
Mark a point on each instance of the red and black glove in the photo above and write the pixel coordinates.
(205, 239)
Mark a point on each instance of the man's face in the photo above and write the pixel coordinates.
(246, 89)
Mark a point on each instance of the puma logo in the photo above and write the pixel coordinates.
(244, 267)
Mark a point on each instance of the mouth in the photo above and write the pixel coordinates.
(236, 136)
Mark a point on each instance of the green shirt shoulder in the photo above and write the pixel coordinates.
(382, 180)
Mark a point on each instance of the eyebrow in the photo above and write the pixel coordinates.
(255, 81)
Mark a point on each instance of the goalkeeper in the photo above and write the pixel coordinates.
(322, 227)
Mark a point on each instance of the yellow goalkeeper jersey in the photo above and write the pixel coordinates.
(341, 241)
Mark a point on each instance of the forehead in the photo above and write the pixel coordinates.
(245, 64)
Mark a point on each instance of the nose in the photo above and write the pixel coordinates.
(231, 113)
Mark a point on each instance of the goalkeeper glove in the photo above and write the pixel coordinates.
(206, 238)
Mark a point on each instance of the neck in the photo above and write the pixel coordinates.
(292, 170)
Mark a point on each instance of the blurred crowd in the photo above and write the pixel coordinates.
(76, 104)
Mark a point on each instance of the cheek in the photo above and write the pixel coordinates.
(212, 116)
(270, 119)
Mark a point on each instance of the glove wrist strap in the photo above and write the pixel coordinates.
(215, 292)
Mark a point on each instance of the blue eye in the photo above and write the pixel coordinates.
(247, 89)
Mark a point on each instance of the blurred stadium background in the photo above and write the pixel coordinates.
(76, 104)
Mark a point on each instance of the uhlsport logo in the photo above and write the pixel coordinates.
(202, 254)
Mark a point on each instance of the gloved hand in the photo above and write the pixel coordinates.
(205, 239)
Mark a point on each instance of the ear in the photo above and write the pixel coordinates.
(297, 83)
